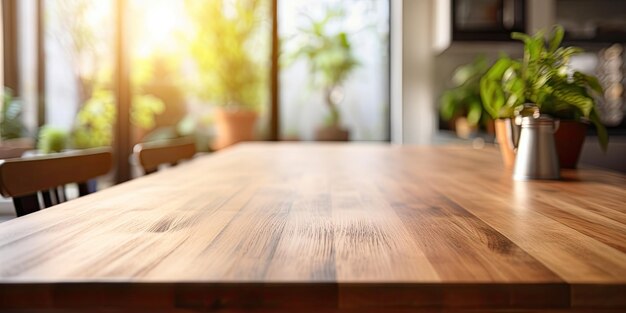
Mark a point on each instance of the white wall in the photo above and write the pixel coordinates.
(413, 114)
(395, 77)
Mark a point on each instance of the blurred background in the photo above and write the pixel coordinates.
(95, 72)
(89, 73)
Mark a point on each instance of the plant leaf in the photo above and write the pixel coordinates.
(520, 36)
(578, 99)
(475, 110)
(590, 81)
(603, 136)
(492, 97)
(557, 37)
(448, 106)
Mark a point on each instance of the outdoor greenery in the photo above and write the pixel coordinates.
(11, 125)
(542, 77)
(52, 140)
(82, 40)
(463, 99)
(94, 122)
(224, 47)
(329, 55)
(145, 106)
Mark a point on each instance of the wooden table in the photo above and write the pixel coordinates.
(308, 227)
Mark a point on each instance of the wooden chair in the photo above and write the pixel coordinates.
(23, 179)
(153, 154)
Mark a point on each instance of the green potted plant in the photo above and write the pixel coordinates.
(52, 140)
(93, 125)
(222, 47)
(462, 104)
(542, 77)
(13, 142)
(331, 60)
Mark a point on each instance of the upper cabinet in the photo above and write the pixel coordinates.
(586, 22)
(599, 21)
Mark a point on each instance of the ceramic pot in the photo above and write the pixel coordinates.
(332, 133)
(463, 129)
(569, 139)
(507, 135)
(233, 126)
(490, 127)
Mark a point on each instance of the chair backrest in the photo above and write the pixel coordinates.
(153, 154)
(23, 179)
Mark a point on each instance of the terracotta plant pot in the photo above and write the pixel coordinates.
(463, 129)
(490, 127)
(332, 133)
(569, 139)
(507, 135)
(233, 126)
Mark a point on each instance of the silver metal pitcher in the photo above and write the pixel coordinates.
(536, 152)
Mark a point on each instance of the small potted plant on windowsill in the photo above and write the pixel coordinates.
(331, 60)
(13, 142)
(462, 104)
(542, 77)
(230, 77)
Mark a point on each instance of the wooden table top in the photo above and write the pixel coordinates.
(327, 227)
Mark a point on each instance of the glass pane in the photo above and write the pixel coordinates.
(79, 62)
(334, 69)
(193, 60)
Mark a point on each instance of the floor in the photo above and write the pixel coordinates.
(6, 210)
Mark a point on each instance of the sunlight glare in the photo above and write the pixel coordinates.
(157, 25)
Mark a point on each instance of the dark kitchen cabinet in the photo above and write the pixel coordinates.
(487, 20)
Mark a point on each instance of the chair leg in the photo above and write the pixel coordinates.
(49, 198)
(87, 187)
(26, 204)
(150, 171)
(60, 192)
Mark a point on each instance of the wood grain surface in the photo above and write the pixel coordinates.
(327, 227)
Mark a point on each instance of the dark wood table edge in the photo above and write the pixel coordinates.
(318, 297)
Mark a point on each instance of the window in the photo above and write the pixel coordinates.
(79, 62)
(203, 69)
(335, 68)
(192, 59)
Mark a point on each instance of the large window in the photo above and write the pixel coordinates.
(204, 69)
(192, 59)
(79, 65)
